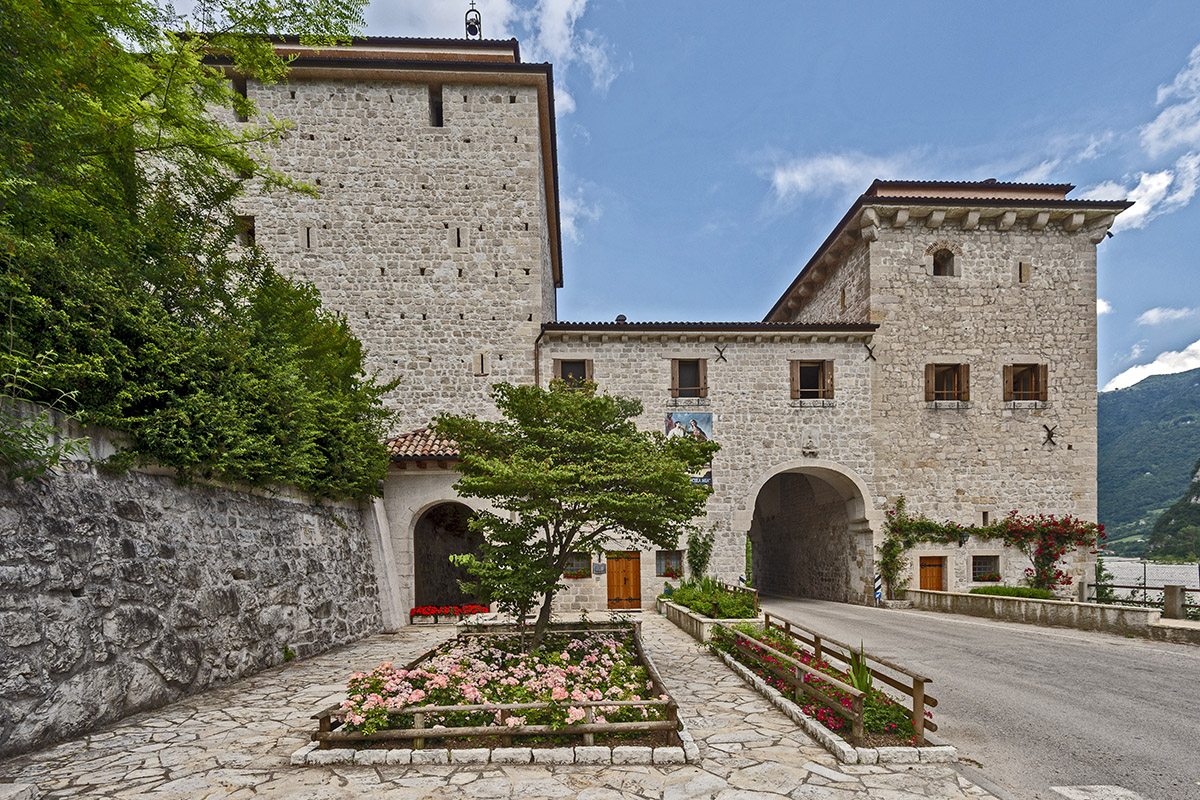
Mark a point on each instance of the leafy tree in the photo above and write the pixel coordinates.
(567, 471)
(119, 275)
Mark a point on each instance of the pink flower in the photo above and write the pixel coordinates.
(558, 693)
(574, 715)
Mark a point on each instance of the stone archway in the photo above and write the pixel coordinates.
(439, 533)
(810, 536)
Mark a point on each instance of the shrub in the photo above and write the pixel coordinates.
(702, 594)
(1014, 591)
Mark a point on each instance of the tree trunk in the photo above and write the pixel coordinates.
(543, 621)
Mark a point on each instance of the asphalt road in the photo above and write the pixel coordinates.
(1040, 707)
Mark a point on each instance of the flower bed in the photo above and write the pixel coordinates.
(432, 614)
(885, 722)
(480, 690)
(712, 599)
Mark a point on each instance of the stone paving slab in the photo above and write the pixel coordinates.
(236, 742)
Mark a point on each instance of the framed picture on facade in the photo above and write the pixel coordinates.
(698, 425)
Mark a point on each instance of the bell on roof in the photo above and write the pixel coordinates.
(474, 23)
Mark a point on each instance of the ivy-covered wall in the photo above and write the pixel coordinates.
(120, 593)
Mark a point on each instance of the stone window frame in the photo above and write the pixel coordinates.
(701, 390)
(664, 559)
(588, 368)
(977, 554)
(931, 258)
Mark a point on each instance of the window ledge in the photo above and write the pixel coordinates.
(948, 404)
(687, 402)
(809, 402)
(1026, 404)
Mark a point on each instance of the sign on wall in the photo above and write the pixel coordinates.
(698, 425)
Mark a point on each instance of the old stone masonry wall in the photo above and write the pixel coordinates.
(122, 593)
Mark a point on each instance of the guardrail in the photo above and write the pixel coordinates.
(1173, 599)
(826, 648)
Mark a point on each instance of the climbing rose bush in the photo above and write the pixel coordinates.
(477, 670)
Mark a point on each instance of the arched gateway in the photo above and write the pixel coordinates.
(810, 534)
(439, 533)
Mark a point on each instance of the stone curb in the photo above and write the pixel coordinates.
(835, 744)
(309, 755)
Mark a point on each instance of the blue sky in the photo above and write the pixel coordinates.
(707, 148)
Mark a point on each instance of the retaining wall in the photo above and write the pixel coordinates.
(120, 593)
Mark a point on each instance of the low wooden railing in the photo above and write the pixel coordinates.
(331, 719)
(828, 649)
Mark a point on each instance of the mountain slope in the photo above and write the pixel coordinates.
(1177, 532)
(1149, 436)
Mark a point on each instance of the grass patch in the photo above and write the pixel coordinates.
(1014, 591)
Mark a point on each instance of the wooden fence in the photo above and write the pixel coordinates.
(837, 653)
(744, 590)
(330, 720)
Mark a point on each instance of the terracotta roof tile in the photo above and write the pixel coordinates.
(420, 445)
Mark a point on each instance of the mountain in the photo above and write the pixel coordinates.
(1177, 532)
(1149, 439)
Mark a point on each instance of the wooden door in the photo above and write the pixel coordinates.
(931, 573)
(624, 579)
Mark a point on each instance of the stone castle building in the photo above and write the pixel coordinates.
(940, 344)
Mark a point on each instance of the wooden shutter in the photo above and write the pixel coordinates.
(827, 380)
(794, 370)
(702, 369)
(964, 374)
(557, 373)
(587, 370)
(1043, 376)
(674, 377)
(930, 371)
(1008, 383)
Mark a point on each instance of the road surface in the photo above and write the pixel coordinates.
(1038, 707)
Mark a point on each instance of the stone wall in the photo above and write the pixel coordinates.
(120, 593)
(433, 242)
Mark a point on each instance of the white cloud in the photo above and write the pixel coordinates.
(573, 210)
(831, 173)
(1039, 173)
(1186, 83)
(1154, 194)
(1095, 147)
(1102, 306)
(440, 20)
(1159, 315)
(1177, 125)
(1168, 363)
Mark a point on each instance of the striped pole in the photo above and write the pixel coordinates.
(878, 588)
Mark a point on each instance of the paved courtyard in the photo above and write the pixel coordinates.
(235, 742)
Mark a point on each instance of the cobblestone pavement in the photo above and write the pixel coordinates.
(235, 742)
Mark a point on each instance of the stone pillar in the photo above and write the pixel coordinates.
(1173, 602)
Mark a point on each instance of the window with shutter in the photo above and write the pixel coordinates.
(574, 371)
(812, 380)
(689, 377)
(947, 382)
(1025, 382)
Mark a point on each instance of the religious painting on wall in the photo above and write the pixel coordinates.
(698, 425)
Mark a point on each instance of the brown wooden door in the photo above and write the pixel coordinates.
(931, 573)
(624, 579)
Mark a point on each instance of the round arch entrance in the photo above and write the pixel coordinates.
(810, 536)
(440, 533)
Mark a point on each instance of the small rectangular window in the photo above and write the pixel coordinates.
(812, 380)
(481, 363)
(689, 377)
(668, 563)
(245, 230)
(1024, 271)
(573, 370)
(1025, 382)
(435, 106)
(947, 382)
(985, 568)
(579, 565)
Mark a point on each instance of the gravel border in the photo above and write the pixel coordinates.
(839, 747)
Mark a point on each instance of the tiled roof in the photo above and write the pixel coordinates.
(708, 326)
(421, 445)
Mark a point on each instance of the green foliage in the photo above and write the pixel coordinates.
(749, 563)
(706, 596)
(118, 268)
(1014, 591)
(574, 472)
(1176, 534)
(288, 654)
(1149, 437)
(1104, 581)
(699, 552)
(860, 673)
(1044, 539)
(30, 443)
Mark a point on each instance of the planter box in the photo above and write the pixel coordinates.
(698, 626)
